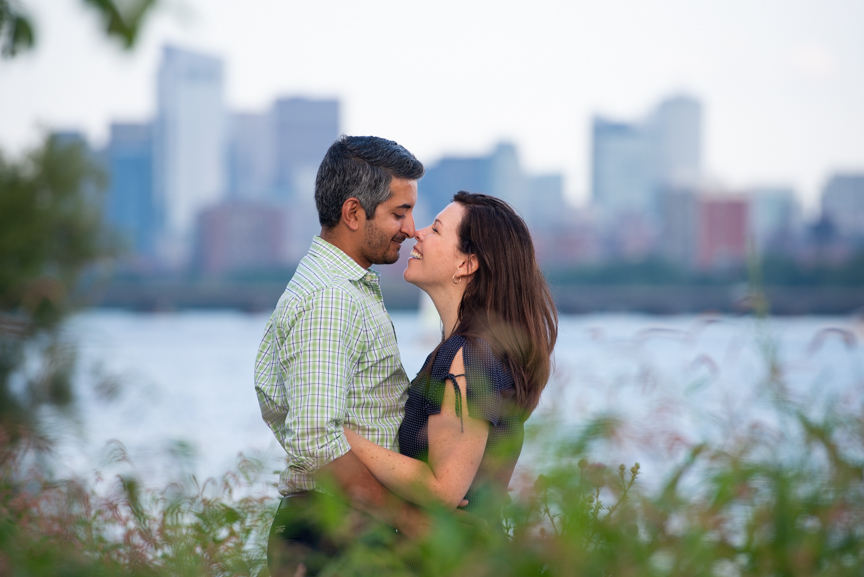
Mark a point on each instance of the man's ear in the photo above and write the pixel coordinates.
(351, 213)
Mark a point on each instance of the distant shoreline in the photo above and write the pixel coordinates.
(257, 296)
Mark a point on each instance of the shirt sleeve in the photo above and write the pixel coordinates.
(319, 355)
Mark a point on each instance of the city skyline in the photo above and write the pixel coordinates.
(778, 81)
(199, 171)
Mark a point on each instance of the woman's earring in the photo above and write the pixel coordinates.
(456, 281)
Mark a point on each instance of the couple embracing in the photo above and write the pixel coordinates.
(330, 381)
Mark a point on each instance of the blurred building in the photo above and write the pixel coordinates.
(621, 167)
(775, 220)
(631, 236)
(633, 161)
(575, 241)
(723, 231)
(452, 174)
(675, 129)
(539, 199)
(189, 145)
(704, 229)
(251, 156)
(544, 201)
(130, 206)
(843, 205)
(679, 229)
(304, 130)
(241, 237)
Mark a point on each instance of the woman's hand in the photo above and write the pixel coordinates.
(409, 478)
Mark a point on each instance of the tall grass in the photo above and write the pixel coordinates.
(759, 507)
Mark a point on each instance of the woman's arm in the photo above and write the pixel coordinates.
(454, 454)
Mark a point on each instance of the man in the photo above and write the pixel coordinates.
(329, 355)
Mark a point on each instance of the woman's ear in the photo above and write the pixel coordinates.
(351, 213)
(468, 266)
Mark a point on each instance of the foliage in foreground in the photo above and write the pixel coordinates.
(760, 509)
(51, 231)
(118, 527)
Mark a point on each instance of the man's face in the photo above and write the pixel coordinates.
(392, 224)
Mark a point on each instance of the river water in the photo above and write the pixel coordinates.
(176, 389)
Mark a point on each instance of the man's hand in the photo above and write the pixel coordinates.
(469, 519)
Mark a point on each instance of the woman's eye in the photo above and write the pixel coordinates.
(434, 229)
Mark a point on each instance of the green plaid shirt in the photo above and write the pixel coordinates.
(329, 358)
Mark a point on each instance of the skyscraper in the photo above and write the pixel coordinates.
(305, 129)
(189, 145)
(676, 134)
(251, 156)
(130, 206)
(452, 174)
(843, 204)
(632, 162)
(622, 173)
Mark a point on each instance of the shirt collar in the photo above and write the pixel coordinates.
(340, 263)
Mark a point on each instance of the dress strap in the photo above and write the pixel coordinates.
(452, 377)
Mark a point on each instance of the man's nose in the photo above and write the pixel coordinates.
(408, 226)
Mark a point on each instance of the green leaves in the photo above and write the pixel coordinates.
(51, 232)
(16, 32)
(122, 20)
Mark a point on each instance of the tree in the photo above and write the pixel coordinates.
(121, 20)
(51, 231)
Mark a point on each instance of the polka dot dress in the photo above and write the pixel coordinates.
(489, 392)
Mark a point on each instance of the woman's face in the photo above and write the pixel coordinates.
(436, 256)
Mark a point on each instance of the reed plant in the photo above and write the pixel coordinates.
(757, 509)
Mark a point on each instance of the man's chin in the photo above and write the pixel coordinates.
(387, 258)
(391, 258)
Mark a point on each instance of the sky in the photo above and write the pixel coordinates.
(781, 81)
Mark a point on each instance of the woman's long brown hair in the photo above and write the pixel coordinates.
(507, 301)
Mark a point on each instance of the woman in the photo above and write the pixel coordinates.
(463, 426)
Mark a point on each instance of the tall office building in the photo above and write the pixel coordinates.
(544, 204)
(452, 174)
(843, 205)
(676, 134)
(304, 130)
(539, 199)
(632, 162)
(506, 177)
(251, 156)
(622, 173)
(189, 145)
(130, 206)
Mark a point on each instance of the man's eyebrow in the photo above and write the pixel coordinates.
(406, 206)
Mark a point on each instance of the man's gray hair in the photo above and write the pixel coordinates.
(361, 167)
